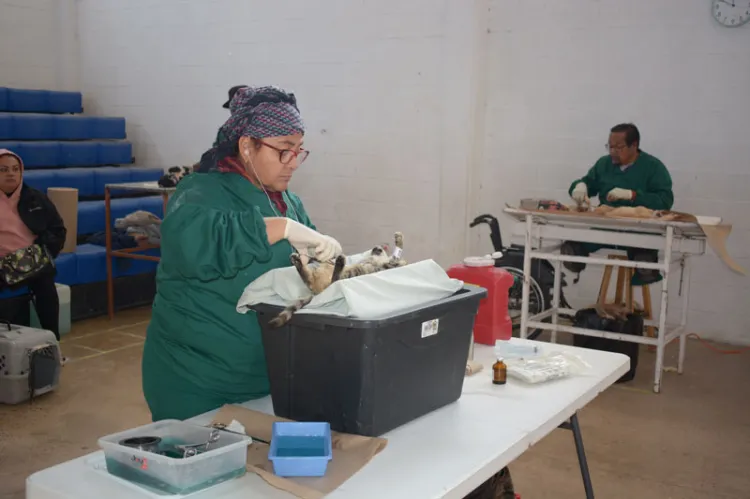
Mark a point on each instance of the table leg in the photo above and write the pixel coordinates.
(662, 332)
(526, 278)
(573, 426)
(685, 306)
(108, 243)
(556, 297)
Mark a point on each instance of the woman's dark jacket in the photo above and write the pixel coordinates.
(41, 217)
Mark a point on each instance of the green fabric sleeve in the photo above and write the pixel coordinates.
(658, 193)
(591, 179)
(206, 244)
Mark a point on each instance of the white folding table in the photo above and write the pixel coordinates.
(443, 455)
(671, 237)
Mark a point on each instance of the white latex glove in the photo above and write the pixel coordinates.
(580, 193)
(617, 194)
(324, 247)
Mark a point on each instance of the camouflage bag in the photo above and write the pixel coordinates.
(26, 263)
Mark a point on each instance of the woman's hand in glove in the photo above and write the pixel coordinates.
(325, 248)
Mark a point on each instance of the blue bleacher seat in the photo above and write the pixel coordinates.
(29, 126)
(72, 127)
(111, 175)
(42, 179)
(145, 174)
(64, 102)
(35, 126)
(39, 154)
(67, 268)
(108, 128)
(90, 217)
(6, 126)
(79, 154)
(153, 204)
(40, 101)
(123, 207)
(77, 178)
(27, 101)
(49, 154)
(115, 153)
(91, 263)
(90, 182)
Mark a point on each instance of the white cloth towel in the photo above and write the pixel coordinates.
(373, 296)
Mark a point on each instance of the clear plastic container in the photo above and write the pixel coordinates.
(221, 461)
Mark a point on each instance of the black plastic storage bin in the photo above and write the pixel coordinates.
(367, 377)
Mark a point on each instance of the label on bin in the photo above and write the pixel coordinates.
(430, 328)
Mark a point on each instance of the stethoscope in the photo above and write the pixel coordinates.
(288, 201)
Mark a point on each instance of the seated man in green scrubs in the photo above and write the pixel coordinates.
(627, 176)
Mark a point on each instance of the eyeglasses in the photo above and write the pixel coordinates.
(287, 155)
(615, 148)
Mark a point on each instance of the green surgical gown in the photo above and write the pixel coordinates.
(200, 353)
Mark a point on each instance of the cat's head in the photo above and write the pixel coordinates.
(379, 254)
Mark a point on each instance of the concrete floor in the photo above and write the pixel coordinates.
(692, 441)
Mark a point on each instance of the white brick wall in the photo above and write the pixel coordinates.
(38, 40)
(425, 113)
(371, 78)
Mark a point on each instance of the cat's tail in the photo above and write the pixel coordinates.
(286, 314)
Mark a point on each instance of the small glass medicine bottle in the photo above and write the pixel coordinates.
(499, 372)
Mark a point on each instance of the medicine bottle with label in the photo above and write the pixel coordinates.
(499, 372)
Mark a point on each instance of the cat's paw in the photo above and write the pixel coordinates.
(398, 238)
(296, 259)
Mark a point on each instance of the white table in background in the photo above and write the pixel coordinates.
(443, 455)
(671, 237)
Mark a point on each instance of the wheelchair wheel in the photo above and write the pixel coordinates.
(540, 299)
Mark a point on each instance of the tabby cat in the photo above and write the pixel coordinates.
(317, 279)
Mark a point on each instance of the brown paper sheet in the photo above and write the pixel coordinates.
(65, 200)
(716, 235)
(350, 454)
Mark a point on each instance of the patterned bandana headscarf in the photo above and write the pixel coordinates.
(257, 112)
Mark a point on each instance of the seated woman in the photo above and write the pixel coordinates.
(28, 217)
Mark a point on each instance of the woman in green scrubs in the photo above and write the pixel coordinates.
(227, 224)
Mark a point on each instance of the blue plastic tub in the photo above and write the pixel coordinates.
(300, 449)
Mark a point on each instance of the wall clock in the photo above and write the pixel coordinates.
(731, 13)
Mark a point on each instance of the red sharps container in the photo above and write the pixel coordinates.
(492, 321)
